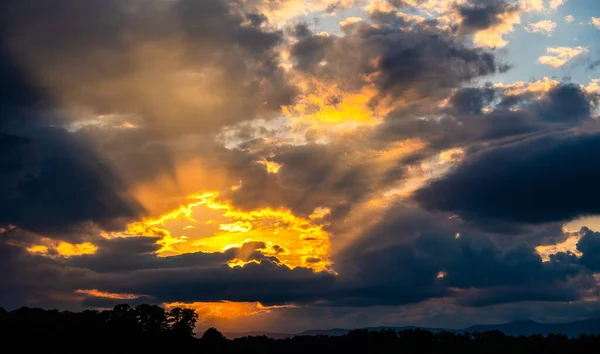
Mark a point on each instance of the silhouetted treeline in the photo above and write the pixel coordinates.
(123, 329)
(151, 329)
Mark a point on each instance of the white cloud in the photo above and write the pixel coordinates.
(543, 27)
(532, 5)
(554, 4)
(569, 18)
(595, 21)
(559, 56)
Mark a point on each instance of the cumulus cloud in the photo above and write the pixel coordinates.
(555, 4)
(194, 152)
(544, 27)
(489, 20)
(49, 179)
(557, 199)
(569, 18)
(559, 56)
(398, 62)
(595, 21)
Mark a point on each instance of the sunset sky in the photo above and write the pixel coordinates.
(285, 165)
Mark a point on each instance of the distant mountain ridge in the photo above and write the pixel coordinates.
(515, 328)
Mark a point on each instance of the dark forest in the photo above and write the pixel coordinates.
(149, 328)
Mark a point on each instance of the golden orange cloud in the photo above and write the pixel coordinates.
(559, 56)
(98, 293)
(568, 245)
(53, 248)
(538, 88)
(297, 239)
(228, 315)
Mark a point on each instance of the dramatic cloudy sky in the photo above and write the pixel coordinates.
(285, 165)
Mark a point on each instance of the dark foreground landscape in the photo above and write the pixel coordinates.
(148, 329)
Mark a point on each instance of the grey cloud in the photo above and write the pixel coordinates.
(463, 123)
(30, 279)
(423, 59)
(213, 64)
(310, 176)
(526, 293)
(483, 14)
(50, 180)
(589, 246)
(396, 263)
(566, 102)
(472, 100)
(123, 255)
(267, 283)
(399, 261)
(539, 180)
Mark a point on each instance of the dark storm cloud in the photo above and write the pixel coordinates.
(565, 103)
(50, 179)
(463, 122)
(482, 14)
(539, 180)
(526, 293)
(310, 176)
(213, 64)
(33, 280)
(392, 266)
(421, 59)
(132, 269)
(267, 283)
(54, 34)
(589, 246)
(472, 100)
(316, 175)
(413, 256)
(130, 254)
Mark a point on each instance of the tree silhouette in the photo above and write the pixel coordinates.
(149, 329)
(183, 321)
(152, 319)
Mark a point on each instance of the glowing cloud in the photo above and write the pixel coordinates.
(537, 88)
(544, 27)
(64, 249)
(98, 293)
(494, 36)
(559, 56)
(301, 238)
(555, 4)
(227, 314)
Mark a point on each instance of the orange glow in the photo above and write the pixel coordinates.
(38, 249)
(272, 167)
(239, 263)
(353, 107)
(494, 36)
(68, 250)
(569, 245)
(97, 293)
(319, 213)
(226, 309)
(63, 249)
(301, 238)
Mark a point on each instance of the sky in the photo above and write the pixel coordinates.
(284, 165)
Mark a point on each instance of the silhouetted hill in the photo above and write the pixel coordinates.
(235, 335)
(527, 328)
(515, 328)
